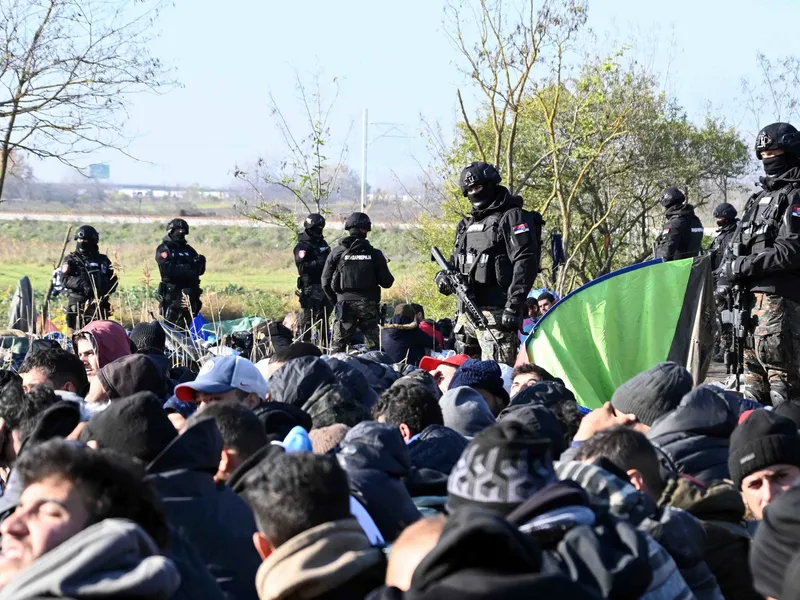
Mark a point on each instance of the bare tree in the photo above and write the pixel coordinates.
(774, 95)
(308, 177)
(68, 69)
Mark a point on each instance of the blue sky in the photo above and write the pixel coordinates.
(393, 58)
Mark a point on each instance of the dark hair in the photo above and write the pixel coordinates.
(292, 493)
(411, 404)
(61, 367)
(570, 416)
(546, 296)
(627, 449)
(531, 369)
(418, 309)
(18, 408)
(112, 485)
(8, 376)
(295, 350)
(239, 426)
(531, 302)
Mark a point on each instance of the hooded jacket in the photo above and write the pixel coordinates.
(354, 380)
(355, 244)
(308, 383)
(481, 556)
(376, 460)
(404, 341)
(113, 559)
(130, 375)
(695, 435)
(720, 510)
(333, 560)
(678, 549)
(465, 411)
(589, 545)
(108, 338)
(211, 516)
(682, 236)
(437, 448)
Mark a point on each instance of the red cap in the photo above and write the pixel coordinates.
(428, 363)
(744, 415)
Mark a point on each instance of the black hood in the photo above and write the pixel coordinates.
(356, 242)
(305, 236)
(703, 411)
(172, 243)
(196, 449)
(379, 446)
(684, 210)
(296, 381)
(503, 201)
(779, 181)
(728, 227)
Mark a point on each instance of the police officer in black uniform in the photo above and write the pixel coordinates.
(310, 255)
(725, 214)
(765, 259)
(682, 235)
(181, 267)
(497, 250)
(89, 280)
(353, 277)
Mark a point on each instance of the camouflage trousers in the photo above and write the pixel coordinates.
(507, 345)
(79, 316)
(772, 366)
(316, 312)
(352, 316)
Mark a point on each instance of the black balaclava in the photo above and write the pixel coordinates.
(87, 247)
(178, 236)
(778, 165)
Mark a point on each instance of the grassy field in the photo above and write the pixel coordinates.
(249, 272)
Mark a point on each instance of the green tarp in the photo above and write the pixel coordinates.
(609, 330)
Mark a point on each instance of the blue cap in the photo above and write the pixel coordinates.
(222, 374)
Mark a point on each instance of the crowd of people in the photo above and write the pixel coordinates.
(355, 475)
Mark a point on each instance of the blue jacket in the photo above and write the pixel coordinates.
(377, 462)
(211, 517)
(405, 341)
(438, 448)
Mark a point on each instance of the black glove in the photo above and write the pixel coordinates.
(511, 320)
(443, 284)
(730, 270)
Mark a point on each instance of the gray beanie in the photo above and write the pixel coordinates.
(653, 393)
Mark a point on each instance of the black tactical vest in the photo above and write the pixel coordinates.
(357, 269)
(481, 252)
(761, 222)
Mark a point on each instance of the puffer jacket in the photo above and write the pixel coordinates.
(720, 510)
(695, 435)
(377, 461)
(352, 379)
(437, 448)
(677, 542)
(308, 383)
(379, 375)
(404, 341)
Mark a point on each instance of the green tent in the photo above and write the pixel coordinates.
(623, 323)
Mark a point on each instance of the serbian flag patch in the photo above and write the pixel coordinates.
(521, 228)
(796, 211)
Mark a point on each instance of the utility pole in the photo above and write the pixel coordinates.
(364, 126)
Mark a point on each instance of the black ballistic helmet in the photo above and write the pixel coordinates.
(778, 136)
(358, 220)
(725, 211)
(478, 173)
(177, 224)
(314, 220)
(87, 233)
(672, 197)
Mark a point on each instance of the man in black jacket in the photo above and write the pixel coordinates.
(497, 251)
(725, 214)
(310, 254)
(682, 235)
(765, 260)
(89, 280)
(181, 267)
(353, 277)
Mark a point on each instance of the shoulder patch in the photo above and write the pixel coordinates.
(521, 228)
(301, 254)
(164, 254)
(666, 231)
(796, 211)
(65, 267)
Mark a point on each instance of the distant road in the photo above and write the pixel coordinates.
(160, 220)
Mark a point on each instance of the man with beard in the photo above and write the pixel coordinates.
(89, 280)
(497, 251)
(310, 254)
(764, 259)
(181, 267)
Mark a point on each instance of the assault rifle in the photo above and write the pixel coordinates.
(465, 297)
